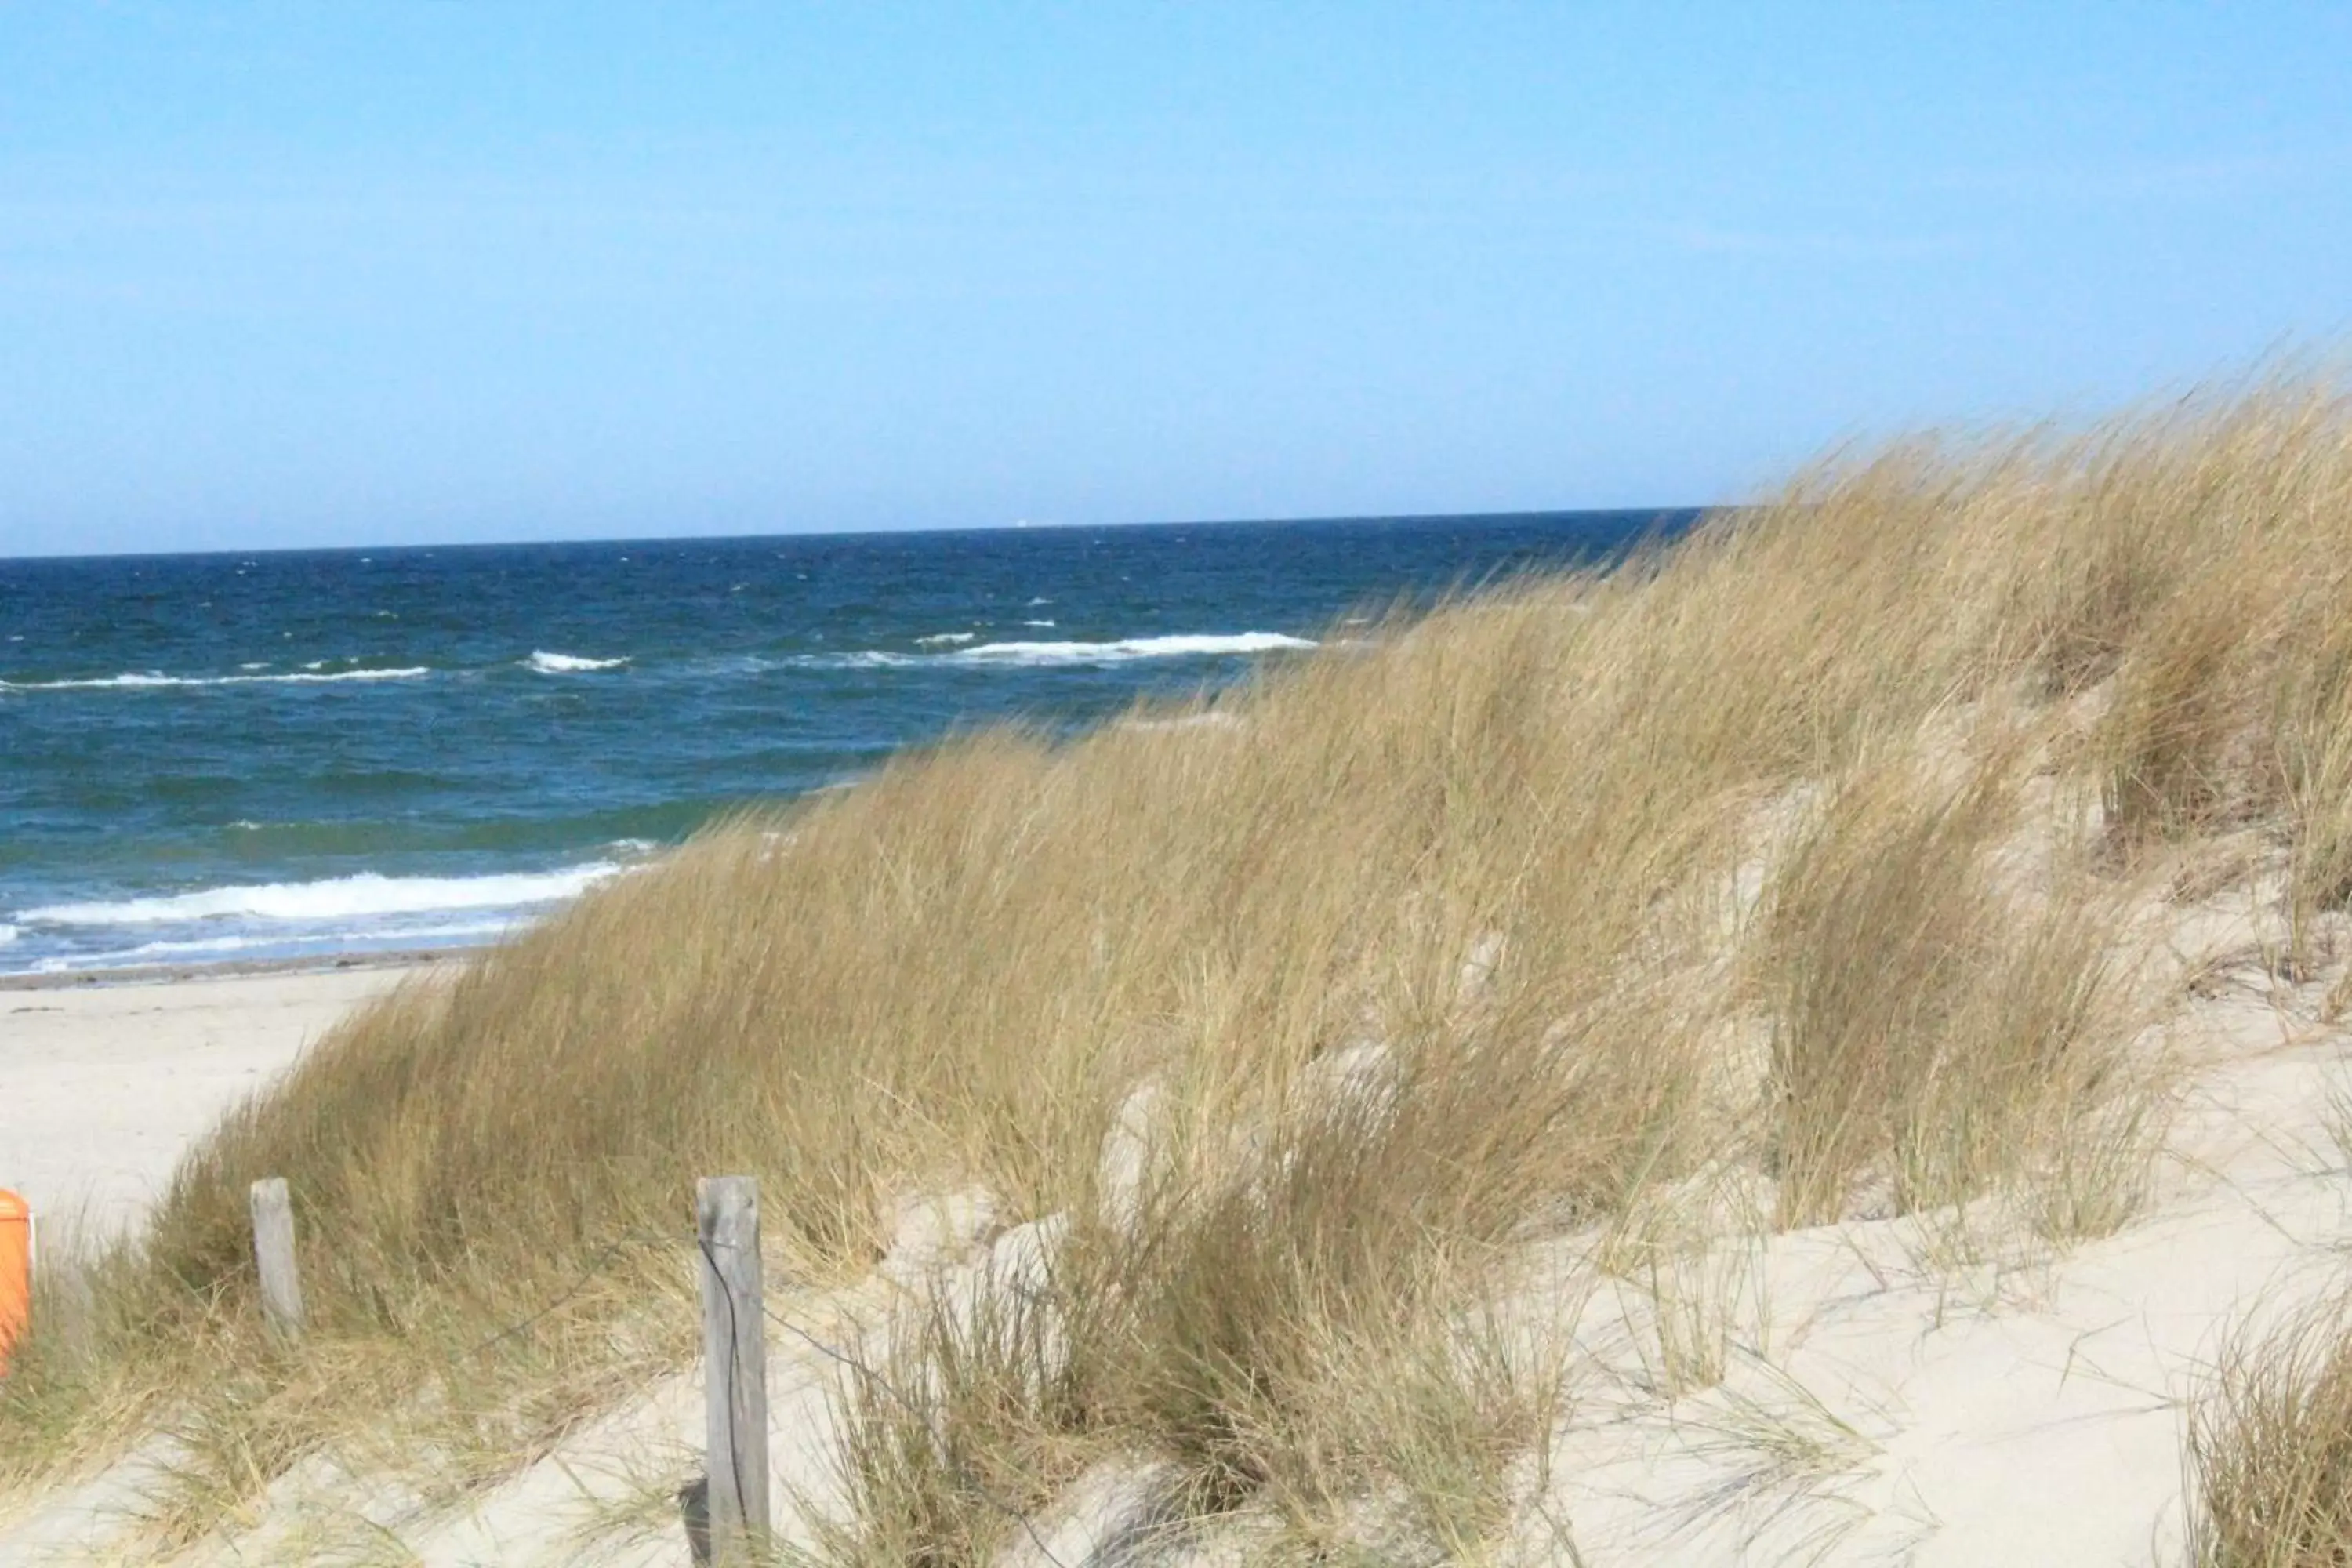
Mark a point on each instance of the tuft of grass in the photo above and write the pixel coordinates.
(959, 1435)
(1315, 1327)
(1929, 1033)
(67, 1378)
(2270, 1447)
(1693, 1250)
(1786, 1459)
(2181, 720)
(2314, 739)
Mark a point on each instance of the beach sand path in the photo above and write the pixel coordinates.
(104, 1087)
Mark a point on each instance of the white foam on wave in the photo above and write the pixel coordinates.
(568, 663)
(8, 935)
(150, 679)
(365, 894)
(873, 658)
(1179, 647)
(1047, 624)
(945, 639)
(1196, 645)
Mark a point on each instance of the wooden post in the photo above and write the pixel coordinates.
(735, 1366)
(273, 1253)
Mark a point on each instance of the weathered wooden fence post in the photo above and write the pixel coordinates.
(735, 1366)
(273, 1253)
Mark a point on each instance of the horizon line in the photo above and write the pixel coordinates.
(1017, 527)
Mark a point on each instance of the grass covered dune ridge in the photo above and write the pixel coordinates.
(1803, 871)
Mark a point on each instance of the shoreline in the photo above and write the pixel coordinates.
(233, 969)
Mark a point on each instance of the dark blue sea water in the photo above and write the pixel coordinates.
(225, 757)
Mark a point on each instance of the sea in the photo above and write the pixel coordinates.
(313, 754)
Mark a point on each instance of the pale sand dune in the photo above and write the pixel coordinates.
(1880, 1404)
(102, 1087)
(1881, 1401)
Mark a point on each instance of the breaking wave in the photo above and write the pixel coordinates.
(568, 663)
(367, 894)
(149, 678)
(1179, 647)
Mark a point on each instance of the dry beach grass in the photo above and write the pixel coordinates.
(1801, 860)
(2270, 1449)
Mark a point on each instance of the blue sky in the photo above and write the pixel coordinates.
(357, 273)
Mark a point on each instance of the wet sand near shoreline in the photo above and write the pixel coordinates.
(159, 974)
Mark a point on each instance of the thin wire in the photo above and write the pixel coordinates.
(734, 1337)
(596, 1266)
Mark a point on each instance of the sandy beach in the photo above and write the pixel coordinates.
(103, 1086)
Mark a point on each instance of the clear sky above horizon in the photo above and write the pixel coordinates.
(364, 273)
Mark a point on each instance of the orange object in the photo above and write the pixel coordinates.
(16, 1271)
